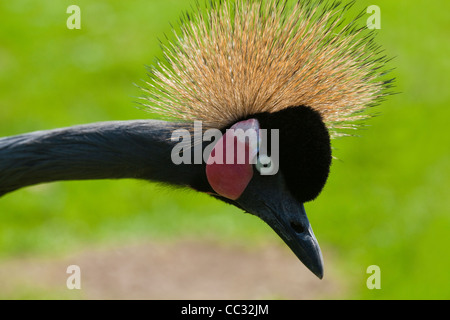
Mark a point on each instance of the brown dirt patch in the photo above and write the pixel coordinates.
(181, 270)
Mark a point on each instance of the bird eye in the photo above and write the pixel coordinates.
(263, 162)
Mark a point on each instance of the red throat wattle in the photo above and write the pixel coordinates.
(228, 171)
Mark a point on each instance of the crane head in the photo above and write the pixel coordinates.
(302, 69)
(275, 187)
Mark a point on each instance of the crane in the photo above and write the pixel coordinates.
(295, 76)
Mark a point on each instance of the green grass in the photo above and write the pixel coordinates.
(386, 202)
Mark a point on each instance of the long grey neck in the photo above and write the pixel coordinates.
(138, 149)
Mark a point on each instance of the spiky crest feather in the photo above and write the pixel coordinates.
(245, 57)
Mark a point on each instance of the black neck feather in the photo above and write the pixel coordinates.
(109, 150)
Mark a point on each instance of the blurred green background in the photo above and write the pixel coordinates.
(386, 203)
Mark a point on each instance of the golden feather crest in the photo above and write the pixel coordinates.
(241, 57)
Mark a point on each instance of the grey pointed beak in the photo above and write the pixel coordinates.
(268, 198)
(287, 217)
(295, 230)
